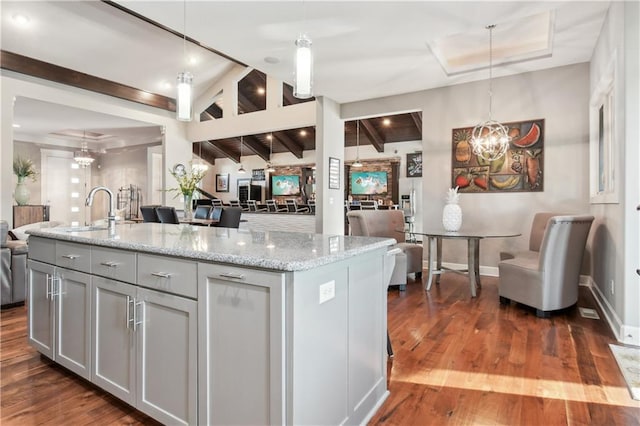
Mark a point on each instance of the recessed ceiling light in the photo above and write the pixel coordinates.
(303, 132)
(269, 137)
(166, 85)
(386, 122)
(271, 60)
(261, 91)
(15, 125)
(21, 20)
(193, 60)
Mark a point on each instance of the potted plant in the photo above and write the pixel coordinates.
(187, 184)
(23, 168)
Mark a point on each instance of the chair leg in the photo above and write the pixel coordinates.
(543, 314)
(389, 348)
(504, 300)
(402, 287)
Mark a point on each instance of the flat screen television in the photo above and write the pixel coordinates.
(285, 185)
(368, 183)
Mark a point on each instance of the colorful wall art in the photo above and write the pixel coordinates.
(521, 169)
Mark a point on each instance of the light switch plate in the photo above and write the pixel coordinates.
(327, 291)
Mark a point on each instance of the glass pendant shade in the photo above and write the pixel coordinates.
(303, 79)
(83, 157)
(184, 100)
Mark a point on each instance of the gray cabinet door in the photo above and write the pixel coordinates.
(41, 308)
(167, 356)
(73, 319)
(113, 338)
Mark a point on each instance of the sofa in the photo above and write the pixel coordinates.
(13, 265)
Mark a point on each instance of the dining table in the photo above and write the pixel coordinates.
(435, 237)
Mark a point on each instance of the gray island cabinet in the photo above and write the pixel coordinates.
(196, 325)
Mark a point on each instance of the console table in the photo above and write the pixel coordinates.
(24, 215)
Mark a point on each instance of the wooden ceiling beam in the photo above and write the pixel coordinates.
(256, 146)
(373, 135)
(35, 68)
(246, 105)
(223, 152)
(202, 150)
(417, 120)
(289, 143)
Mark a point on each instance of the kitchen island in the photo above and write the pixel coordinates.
(196, 325)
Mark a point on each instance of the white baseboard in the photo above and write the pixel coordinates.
(627, 334)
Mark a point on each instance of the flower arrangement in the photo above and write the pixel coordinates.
(24, 168)
(188, 180)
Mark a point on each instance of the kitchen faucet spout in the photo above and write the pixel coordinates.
(111, 218)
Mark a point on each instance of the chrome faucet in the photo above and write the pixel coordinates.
(111, 218)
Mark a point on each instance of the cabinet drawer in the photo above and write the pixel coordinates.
(240, 274)
(167, 274)
(73, 256)
(115, 264)
(42, 249)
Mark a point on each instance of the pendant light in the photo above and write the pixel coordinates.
(357, 164)
(241, 168)
(83, 157)
(185, 79)
(490, 140)
(303, 79)
(270, 168)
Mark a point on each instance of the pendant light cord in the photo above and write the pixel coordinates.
(490, 28)
(184, 32)
(358, 140)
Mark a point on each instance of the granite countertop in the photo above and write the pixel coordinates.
(282, 251)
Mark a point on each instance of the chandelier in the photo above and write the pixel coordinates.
(303, 79)
(241, 168)
(83, 157)
(270, 168)
(490, 140)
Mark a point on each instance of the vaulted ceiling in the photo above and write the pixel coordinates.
(362, 50)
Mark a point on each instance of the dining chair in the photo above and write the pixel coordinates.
(215, 213)
(547, 280)
(149, 213)
(368, 205)
(167, 214)
(292, 207)
(253, 206)
(202, 212)
(312, 205)
(216, 202)
(272, 206)
(230, 218)
(234, 203)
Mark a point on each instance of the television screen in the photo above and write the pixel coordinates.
(367, 183)
(285, 185)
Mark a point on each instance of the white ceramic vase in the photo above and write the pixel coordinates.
(452, 217)
(21, 193)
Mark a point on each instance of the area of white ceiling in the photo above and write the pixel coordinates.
(363, 49)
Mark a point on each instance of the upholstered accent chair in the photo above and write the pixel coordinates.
(547, 279)
(538, 226)
(389, 224)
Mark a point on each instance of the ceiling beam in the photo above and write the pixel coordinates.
(246, 105)
(288, 143)
(373, 135)
(35, 68)
(223, 152)
(254, 145)
(417, 120)
(202, 150)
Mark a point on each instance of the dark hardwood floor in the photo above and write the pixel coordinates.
(457, 361)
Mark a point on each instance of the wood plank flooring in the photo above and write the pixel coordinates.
(458, 361)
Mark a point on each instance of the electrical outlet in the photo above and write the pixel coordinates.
(611, 287)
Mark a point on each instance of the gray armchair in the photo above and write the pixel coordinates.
(388, 224)
(547, 279)
(13, 268)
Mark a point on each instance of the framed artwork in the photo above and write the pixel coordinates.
(414, 164)
(521, 169)
(257, 174)
(602, 142)
(334, 173)
(222, 182)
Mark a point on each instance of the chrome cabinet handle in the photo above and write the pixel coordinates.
(48, 289)
(137, 316)
(110, 264)
(232, 275)
(130, 318)
(161, 274)
(70, 256)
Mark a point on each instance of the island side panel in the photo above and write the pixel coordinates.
(241, 345)
(337, 325)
